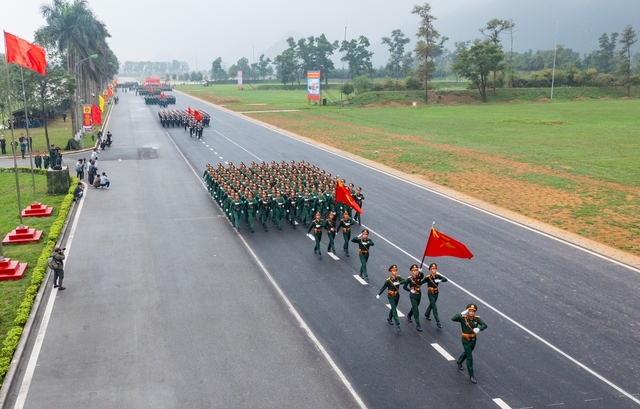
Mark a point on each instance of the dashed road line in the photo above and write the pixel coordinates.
(333, 256)
(501, 403)
(400, 315)
(360, 279)
(444, 353)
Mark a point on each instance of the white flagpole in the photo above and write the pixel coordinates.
(29, 139)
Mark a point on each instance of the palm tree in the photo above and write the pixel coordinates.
(76, 33)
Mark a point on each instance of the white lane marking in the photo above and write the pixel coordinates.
(214, 152)
(547, 235)
(207, 145)
(444, 353)
(400, 315)
(238, 146)
(310, 236)
(360, 279)
(292, 309)
(522, 327)
(37, 345)
(202, 141)
(501, 403)
(220, 157)
(268, 112)
(333, 256)
(211, 149)
(226, 162)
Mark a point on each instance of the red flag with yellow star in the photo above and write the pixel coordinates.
(442, 245)
(343, 195)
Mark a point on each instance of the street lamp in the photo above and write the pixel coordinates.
(78, 93)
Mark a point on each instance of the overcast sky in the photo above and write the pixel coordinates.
(163, 30)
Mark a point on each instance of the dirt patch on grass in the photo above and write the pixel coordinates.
(625, 98)
(581, 99)
(515, 101)
(521, 187)
(543, 100)
(606, 99)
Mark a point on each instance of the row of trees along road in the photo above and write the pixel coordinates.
(72, 33)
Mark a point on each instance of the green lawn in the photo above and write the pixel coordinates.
(13, 291)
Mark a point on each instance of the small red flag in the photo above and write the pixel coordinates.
(96, 115)
(26, 54)
(197, 115)
(189, 110)
(442, 245)
(343, 195)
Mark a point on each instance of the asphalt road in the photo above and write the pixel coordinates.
(167, 307)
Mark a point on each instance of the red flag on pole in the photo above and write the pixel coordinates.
(343, 195)
(442, 245)
(96, 115)
(197, 115)
(189, 110)
(26, 54)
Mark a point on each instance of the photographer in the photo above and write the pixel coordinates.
(56, 264)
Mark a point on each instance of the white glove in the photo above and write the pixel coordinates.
(476, 330)
(437, 280)
(377, 296)
(464, 312)
(413, 291)
(287, 211)
(419, 270)
(332, 229)
(396, 283)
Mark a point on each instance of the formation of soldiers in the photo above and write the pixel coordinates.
(160, 100)
(301, 192)
(183, 119)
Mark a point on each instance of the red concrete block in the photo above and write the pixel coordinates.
(37, 210)
(22, 236)
(12, 269)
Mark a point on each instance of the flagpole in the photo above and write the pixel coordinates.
(425, 252)
(29, 140)
(13, 138)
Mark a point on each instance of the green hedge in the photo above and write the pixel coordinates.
(37, 277)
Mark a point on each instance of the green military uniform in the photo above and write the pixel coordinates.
(278, 209)
(307, 205)
(237, 207)
(358, 198)
(52, 156)
(45, 161)
(251, 205)
(470, 327)
(412, 284)
(345, 224)
(392, 285)
(363, 250)
(330, 225)
(38, 161)
(317, 224)
(263, 212)
(432, 287)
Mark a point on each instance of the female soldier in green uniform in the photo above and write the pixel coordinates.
(345, 224)
(433, 279)
(471, 326)
(412, 284)
(392, 284)
(364, 243)
(316, 224)
(330, 225)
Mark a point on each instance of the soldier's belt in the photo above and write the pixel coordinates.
(392, 293)
(433, 290)
(469, 337)
(317, 230)
(363, 251)
(346, 229)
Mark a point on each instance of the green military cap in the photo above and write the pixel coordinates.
(393, 267)
(365, 231)
(472, 307)
(413, 267)
(433, 265)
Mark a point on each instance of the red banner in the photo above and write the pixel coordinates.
(96, 115)
(86, 117)
(153, 80)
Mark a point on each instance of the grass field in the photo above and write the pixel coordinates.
(59, 133)
(572, 164)
(13, 291)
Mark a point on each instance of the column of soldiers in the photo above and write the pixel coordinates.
(295, 192)
(157, 99)
(183, 119)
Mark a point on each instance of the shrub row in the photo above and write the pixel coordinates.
(37, 277)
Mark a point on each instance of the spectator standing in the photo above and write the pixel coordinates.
(92, 171)
(57, 265)
(23, 147)
(80, 169)
(95, 153)
(3, 144)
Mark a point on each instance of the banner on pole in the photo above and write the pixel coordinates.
(86, 118)
(240, 80)
(105, 96)
(313, 85)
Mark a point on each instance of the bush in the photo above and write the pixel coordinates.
(362, 84)
(347, 89)
(412, 83)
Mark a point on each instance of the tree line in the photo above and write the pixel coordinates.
(75, 41)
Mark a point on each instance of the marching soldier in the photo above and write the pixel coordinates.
(392, 284)
(433, 279)
(278, 209)
(330, 225)
(364, 243)
(345, 224)
(265, 207)
(316, 224)
(358, 198)
(412, 284)
(237, 207)
(251, 204)
(471, 326)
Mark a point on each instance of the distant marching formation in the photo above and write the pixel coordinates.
(194, 120)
